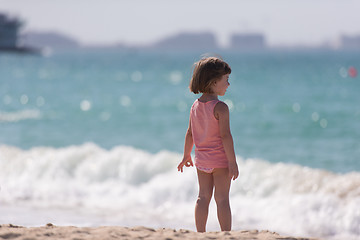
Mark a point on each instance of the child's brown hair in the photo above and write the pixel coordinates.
(206, 72)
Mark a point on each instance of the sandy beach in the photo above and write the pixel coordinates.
(50, 231)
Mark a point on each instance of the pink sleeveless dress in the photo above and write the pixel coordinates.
(209, 149)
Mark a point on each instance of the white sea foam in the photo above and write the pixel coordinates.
(20, 115)
(127, 186)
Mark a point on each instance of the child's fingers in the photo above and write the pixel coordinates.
(236, 175)
(233, 174)
(189, 163)
(180, 167)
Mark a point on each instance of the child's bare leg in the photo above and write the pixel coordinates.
(206, 186)
(222, 183)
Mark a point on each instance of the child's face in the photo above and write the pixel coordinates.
(221, 85)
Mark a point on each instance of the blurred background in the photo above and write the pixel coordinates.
(94, 105)
(110, 23)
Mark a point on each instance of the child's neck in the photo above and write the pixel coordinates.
(208, 97)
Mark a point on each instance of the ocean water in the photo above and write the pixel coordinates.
(93, 138)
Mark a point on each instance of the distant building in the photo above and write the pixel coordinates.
(9, 28)
(350, 42)
(184, 41)
(245, 41)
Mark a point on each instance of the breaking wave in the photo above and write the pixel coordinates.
(135, 187)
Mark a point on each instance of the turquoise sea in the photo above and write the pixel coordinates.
(103, 125)
(285, 107)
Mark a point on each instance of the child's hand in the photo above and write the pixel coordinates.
(233, 170)
(187, 162)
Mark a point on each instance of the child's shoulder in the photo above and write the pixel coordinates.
(220, 105)
(221, 109)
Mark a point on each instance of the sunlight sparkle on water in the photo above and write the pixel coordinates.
(343, 72)
(175, 77)
(323, 123)
(85, 105)
(296, 107)
(230, 104)
(125, 101)
(315, 116)
(24, 99)
(40, 101)
(136, 76)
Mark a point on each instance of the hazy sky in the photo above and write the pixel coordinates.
(286, 22)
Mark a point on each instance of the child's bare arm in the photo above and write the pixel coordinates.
(189, 143)
(222, 113)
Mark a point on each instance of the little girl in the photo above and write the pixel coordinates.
(209, 130)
